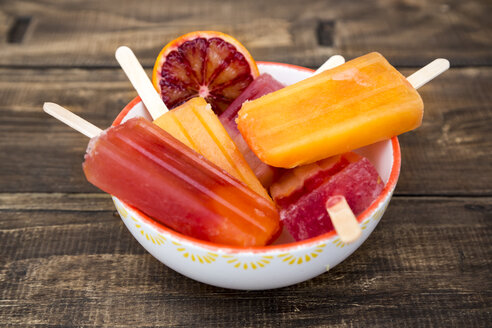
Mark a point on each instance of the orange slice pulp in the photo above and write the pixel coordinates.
(209, 64)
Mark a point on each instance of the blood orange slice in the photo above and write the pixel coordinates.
(209, 64)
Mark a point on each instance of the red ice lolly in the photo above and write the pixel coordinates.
(261, 86)
(301, 180)
(307, 217)
(146, 167)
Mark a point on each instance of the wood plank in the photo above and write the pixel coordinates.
(450, 152)
(456, 122)
(66, 259)
(86, 33)
(28, 134)
(56, 202)
(6, 22)
(79, 268)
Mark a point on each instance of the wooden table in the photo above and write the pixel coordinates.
(66, 259)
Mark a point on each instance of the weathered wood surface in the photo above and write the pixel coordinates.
(448, 155)
(66, 259)
(427, 264)
(410, 33)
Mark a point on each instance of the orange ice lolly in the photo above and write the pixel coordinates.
(361, 102)
(196, 125)
(146, 167)
(193, 123)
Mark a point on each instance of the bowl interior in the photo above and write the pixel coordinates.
(384, 155)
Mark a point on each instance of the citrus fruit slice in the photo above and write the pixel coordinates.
(209, 64)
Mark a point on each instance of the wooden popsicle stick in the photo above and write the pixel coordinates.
(428, 72)
(72, 120)
(332, 62)
(140, 81)
(343, 219)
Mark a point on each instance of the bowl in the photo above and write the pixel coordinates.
(283, 263)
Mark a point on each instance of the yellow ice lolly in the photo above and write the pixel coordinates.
(361, 102)
(196, 125)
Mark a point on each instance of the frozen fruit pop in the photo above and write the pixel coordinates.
(146, 167)
(296, 182)
(262, 85)
(193, 123)
(358, 103)
(306, 216)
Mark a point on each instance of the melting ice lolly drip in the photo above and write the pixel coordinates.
(145, 167)
(364, 101)
(192, 123)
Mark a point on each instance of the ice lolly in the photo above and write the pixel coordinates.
(299, 181)
(262, 85)
(358, 103)
(193, 123)
(146, 167)
(305, 215)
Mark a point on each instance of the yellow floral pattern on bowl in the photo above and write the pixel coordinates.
(203, 259)
(290, 258)
(155, 238)
(238, 264)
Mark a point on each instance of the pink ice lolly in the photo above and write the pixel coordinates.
(261, 86)
(296, 182)
(359, 183)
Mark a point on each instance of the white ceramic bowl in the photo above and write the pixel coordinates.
(281, 264)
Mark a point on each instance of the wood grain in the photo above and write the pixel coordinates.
(448, 155)
(66, 259)
(28, 134)
(410, 33)
(450, 152)
(75, 268)
(55, 202)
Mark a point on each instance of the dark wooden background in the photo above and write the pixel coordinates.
(67, 260)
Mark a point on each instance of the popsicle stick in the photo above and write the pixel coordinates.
(343, 219)
(72, 120)
(140, 81)
(428, 72)
(332, 62)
